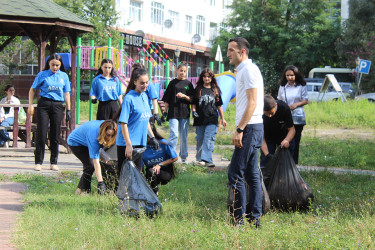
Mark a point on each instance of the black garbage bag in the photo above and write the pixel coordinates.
(134, 193)
(266, 203)
(287, 189)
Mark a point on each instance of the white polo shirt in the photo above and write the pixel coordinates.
(249, 77)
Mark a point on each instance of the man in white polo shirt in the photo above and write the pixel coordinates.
(248, 136)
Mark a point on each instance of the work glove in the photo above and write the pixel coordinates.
(164, 117)
(269, 157)
(195, 114)
(102, 189)
(154, 143)
(68, 115)
(157, 119)
(94, 101)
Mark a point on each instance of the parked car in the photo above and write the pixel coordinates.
(314, 85)
(369, 96)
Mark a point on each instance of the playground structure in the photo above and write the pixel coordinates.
(90, 57)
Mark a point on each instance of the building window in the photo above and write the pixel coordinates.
(135, 11)
(174, 17)
(188, 24)
(213, 33)
(157, 13)
(200, 25)
(213, 2)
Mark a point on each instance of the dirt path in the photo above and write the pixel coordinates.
(362, 134)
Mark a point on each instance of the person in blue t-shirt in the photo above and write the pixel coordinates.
(54, 86)
(159, 163)
(152, 97)
(106, 88)
(85, 142)
(133, 118)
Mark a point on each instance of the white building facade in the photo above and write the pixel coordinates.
(188, 26)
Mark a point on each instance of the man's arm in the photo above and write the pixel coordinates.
(264, 147)
(286, 142)
(251, 95)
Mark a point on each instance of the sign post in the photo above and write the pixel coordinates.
(363, 67)
(219, 57)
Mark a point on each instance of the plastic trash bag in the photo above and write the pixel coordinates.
(266, 203)
(287, 189)
(134, 193)
(21, 116)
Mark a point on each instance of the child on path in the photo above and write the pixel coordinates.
(177, 99)
(207, 106)
(107, 89)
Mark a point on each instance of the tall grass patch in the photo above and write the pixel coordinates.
(195, 216)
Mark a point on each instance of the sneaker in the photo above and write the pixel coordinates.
(210, 164)
(184, 161)
(38, 167)
(6, 144)
(201, 163)
(54, 167)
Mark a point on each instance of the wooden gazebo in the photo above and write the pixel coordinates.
(45, 23)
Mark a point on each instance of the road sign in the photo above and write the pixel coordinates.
(219, 56)
(364, 66)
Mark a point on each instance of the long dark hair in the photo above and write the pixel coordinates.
(100, 71)
(300, 80)
(214, 87)
(55, 56)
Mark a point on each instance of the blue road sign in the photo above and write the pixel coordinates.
(364, 66)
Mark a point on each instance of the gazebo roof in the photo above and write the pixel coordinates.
(43, 12)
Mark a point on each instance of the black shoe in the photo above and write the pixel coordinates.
(101, 188)
(257, 223)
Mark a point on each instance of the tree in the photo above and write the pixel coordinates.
(283, 32)
(358, 39)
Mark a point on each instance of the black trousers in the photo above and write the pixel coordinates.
(49, 112)
(297, 140)
(106, 110)
(165, 175)
(108, 171)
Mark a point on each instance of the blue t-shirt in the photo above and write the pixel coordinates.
(136, 112)
(105, 90)
(152, 157)
(87, 135)
(151, 94)
(52, 85)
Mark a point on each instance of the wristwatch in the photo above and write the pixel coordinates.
(240, 130)
(161, 165)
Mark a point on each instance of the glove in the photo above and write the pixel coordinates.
(164, 117)
(269, 157)
(195, 114)
(102, 189)
(93, 101)
(154, 143)
(68, 115)
(157, 119)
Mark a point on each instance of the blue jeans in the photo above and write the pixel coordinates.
(4, 135)
(243, 169)
(206, 136)
(179, 126)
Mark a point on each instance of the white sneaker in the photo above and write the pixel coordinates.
(183, 161)
(38, 167)
(6, 144)
(201, 163)
(54, 167)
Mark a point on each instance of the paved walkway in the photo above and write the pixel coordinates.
(21, 161)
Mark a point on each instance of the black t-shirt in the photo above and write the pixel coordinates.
(206, 108)
(178, 107)
(276, 127)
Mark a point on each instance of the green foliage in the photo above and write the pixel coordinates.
(195, 216)
(283, 32)
(101, 13)
(358, 39)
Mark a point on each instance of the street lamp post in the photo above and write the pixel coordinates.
(177, 55)
(357, 61)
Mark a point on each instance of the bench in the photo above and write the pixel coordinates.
(24, 131)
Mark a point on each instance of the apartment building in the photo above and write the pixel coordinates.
(187, 27)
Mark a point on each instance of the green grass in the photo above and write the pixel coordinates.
(195, 216)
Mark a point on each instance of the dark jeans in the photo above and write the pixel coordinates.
(165, 175)
(108, 173)
(271, 145)
(296, 141)
(49, 112)
(106, 110)
(243, 169)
